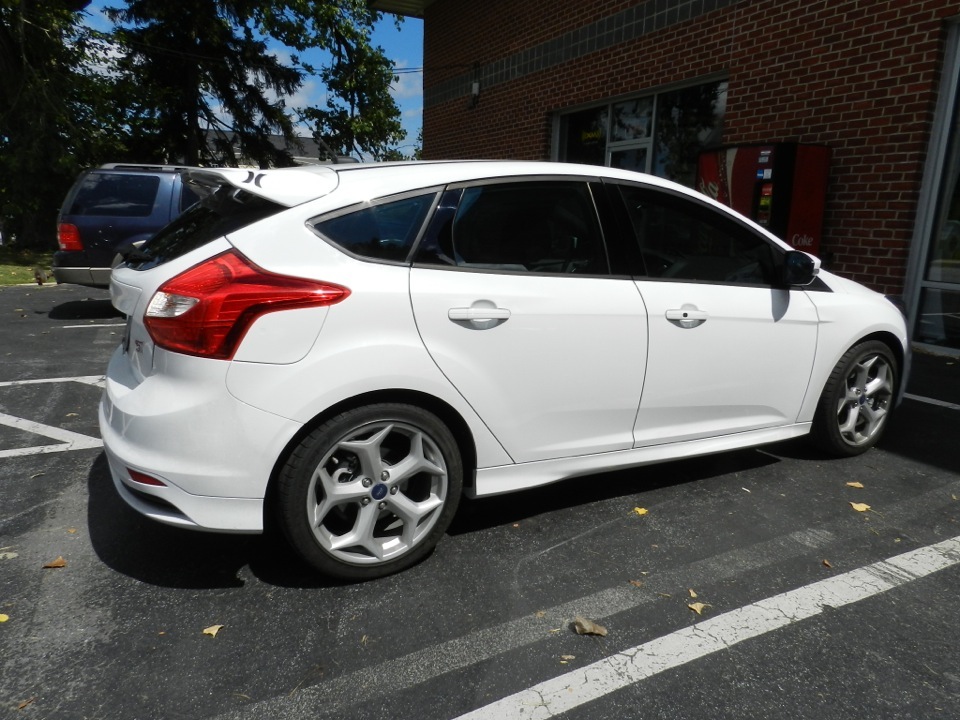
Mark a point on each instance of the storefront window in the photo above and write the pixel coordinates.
(585, 136)
(688, 121)
(632, 120)
(937, 321)
(662, 134)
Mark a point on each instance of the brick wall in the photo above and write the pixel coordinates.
(858, 75)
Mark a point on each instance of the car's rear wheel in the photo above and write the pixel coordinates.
(371, 491)
(856, 401)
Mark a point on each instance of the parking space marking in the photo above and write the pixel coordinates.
(101, 325)
(459, 653)
(579, 687)
(97, 380)
(68, 440)
(932, 401)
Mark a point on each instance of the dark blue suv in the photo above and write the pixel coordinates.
(110, 210)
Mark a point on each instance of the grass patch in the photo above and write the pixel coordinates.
(17, 266)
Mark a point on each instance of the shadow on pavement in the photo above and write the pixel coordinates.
(171, 557)
(490, 512)
(84, 310)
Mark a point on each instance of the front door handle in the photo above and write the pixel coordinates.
(479, 313)
(687, 317)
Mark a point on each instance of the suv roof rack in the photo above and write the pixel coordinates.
(144, 167)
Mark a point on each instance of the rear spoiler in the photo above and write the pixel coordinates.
(284, 186)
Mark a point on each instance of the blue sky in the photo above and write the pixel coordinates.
(404, 47)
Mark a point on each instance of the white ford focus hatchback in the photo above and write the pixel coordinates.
(349, 349)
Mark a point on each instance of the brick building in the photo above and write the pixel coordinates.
(618, 81)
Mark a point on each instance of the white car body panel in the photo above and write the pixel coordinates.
(515, 371)
(745, 366)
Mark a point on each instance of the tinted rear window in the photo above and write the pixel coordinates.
(226, 211)
(116, 195)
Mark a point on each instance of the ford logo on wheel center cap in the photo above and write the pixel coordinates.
(379, 491)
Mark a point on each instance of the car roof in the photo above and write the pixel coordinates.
(296, 185)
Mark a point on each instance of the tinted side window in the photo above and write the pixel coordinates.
(382, 231)
(684, 240)
(535, 227)
(116, 195)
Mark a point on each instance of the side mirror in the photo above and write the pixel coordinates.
(799, 268)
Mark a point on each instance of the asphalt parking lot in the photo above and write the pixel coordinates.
(803, 605)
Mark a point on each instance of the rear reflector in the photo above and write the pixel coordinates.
(144, 479)
(206, 310)
(68, 237)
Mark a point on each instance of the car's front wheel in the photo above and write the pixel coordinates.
(856, 400)
(370, 491)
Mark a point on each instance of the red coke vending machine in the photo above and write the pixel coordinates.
(781, 186)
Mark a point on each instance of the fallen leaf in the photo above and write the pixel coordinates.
(640, 511)
(698, 607)
(540, 613)
(858, 485)
(8, 555)
(826, 564)
(665, 595)
(212, 630)
(55, 564)
(568, 657)
(636, 583)
(73, 415)
(4, 618)
(860, 507)
(693, 594)
(588, 627)
(72, 531)
(22, 705)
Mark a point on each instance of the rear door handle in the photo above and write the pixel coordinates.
(478, 313)
(687, 317)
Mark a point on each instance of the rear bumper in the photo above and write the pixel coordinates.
(213, 454)
(89, 276)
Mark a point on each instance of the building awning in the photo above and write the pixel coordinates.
(409, 8)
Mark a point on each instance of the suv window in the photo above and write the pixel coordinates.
(385, 230)
(534, 227)
(223, 212)
(116, 195)
(684, 240)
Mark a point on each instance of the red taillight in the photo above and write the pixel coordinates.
(68, 237)
(143, 478)
(207, 309)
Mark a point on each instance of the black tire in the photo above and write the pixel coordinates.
(371, 491)
(856, 400)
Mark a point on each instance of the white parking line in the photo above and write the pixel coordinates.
(932, 401)
(101, 325)
(554, 697)
(68, 440)
(97, 380)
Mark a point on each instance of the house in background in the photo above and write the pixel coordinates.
(651, 84)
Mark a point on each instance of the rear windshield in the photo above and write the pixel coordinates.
(223, 212)
(116, 195)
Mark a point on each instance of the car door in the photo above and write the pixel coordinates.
(730, 349)
(515, 302)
